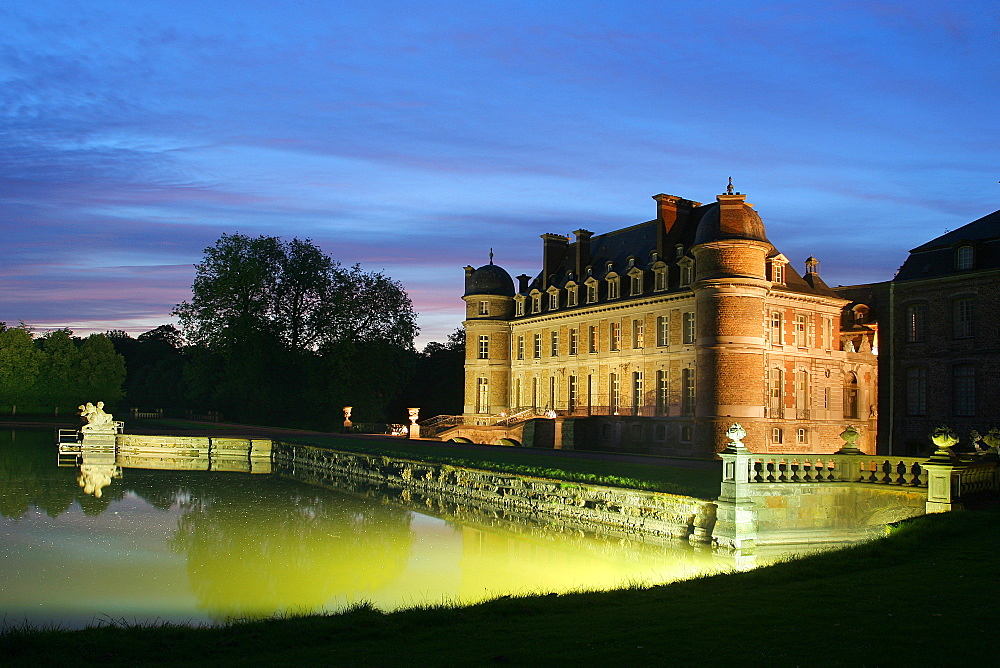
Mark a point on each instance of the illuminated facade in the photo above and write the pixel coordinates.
(656, 337)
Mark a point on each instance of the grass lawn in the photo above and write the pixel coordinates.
(923, 596)
(697, 482)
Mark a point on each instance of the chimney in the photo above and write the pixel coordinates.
(522, 283)
(671, 211)
(553, 250)
(582, 252)
(468, 274)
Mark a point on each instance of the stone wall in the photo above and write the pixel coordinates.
(580, 506)
(193, 453)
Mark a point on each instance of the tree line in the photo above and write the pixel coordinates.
(276, 332)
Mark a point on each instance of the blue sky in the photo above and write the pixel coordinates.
(413, 136)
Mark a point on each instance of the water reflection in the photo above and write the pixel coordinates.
(202, 545)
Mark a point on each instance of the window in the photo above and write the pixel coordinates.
(963, 313)
(851, 396)
(963, 387)
(776, 393)
(801, 437)
(534, 393)
(686, 432)
(635, 283)
(777, 273)
(687, 271)
(520, 347)
(572, 294)
(662, 330)
(554, 343)
(660, 279)
(800, 331)
(483, 395)
(573, 343)
(662, 392)
(916, 391)
(571, 393)
(826, 398)
(802, 394)
(687, 391)
(553, 300)
(552, 392)
(776, 436)
(637, 334)
(515, 401)
(613, 392)
(827, 333)
(536, 302)
(591, 291)
(519, 308)
(777, 328)
(484, 308)
(636, 392)
(614, 288)
(964, 258)
(689, 327)
(594, 347)
(484, 346)
(916, 322)
(538, 346)
(616, 336)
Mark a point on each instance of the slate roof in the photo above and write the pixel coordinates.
(937, 257)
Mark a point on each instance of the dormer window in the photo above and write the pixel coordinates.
(776, 268)
(679, 251)
(536, 302)
(687, 271)
(572, 294)
(614, 286)
(519, 305)
(591, 284)
(635, 281)
(553, 299)
(659, 277)
(964, 258)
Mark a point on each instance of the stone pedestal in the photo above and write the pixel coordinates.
(736, 517)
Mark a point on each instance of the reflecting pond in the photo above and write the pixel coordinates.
(193, 546)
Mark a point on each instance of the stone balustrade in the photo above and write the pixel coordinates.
(881, 470)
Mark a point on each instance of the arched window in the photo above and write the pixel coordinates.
(851, 396)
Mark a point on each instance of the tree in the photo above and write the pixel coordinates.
(19, 362)
(101, 370)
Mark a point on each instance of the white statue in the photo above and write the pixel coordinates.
(97, 419)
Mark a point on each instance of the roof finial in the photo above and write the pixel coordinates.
(491, 255)
(729, 188)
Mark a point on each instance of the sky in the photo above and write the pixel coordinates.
(412, 137)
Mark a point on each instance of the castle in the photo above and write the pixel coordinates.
(657, 337)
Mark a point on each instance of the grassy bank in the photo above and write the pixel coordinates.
(924, 595)
(657, 476)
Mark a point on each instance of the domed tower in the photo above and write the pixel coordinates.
(489, 306)
(730, 251)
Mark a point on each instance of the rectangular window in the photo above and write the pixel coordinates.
(515, 401)
(662, 330)
(484, 308)
(916, 322)
(483, 395)
(520, 347)
(827, 333)
(777, 273)
(662, 392)
(553, 300)
(802, 394)
(801, 437)
(554, 343)
(613, 288)
(776, 393)
(484, 346)
(636, 284)
(571, 295)
(519, 309)
(963, 312)
(687, 391)
(963, 384)
(536, 303)
(573, 343)
(916, 391)
(594, 343)
(687, 274)
(552, 392)
(636, 392)
(592, 292)
(776, 436)
(964, 258)
(777, 328)
(616, 336)
(638, 340)
(689, 327)
(538, 346)
(800, 331)
(826, 398)
(613, 391)
(571, 393)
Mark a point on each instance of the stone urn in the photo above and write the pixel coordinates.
(944, 439)
(736, 433)
(850, 435)
(992, 441)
